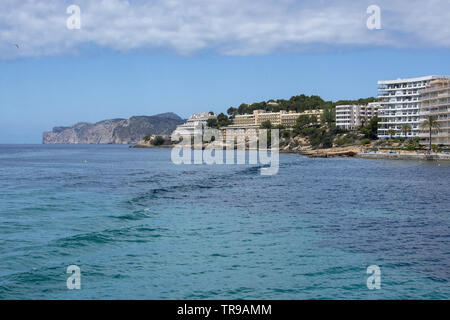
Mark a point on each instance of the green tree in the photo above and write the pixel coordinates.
(231, 111)
(147, 138)
(212, 123)
(363, 121)
(370, 130)
(266, 125)
(329, 115)
(286, 134)
(391, 133)
(405, 129)
(361, 101)
(303, 121)
(243, 109)
(430, 123)
(223, 120)
(157, 141)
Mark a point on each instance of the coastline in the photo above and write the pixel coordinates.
(150, 146)
(342, 152)
(404, 156)
(356, 152)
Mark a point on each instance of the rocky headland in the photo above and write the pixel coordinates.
(114, 131)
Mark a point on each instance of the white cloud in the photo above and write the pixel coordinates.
(232, 27)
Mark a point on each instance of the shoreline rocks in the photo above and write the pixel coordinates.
(300, 146)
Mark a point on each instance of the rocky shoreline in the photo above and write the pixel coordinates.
(404, 156)
(143, 146)
(357, 152)
(339, 152)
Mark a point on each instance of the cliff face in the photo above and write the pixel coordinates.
(117, 131)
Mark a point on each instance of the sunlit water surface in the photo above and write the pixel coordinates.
(140, 227)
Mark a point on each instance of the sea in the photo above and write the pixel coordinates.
(137, 226)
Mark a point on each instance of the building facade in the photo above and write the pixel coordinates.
(435, 102)
(195, 121)
(399, 105)
(350, 117)
(370, 111)
(287, 119)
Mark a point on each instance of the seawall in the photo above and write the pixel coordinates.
(403, 156)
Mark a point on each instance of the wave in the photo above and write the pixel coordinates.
(140, 233)
(168, 193)
(135, 215)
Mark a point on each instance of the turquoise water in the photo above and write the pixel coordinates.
(140, 227)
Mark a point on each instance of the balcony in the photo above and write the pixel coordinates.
(435, 104)
(435, 88)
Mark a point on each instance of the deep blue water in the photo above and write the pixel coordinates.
(140, 227)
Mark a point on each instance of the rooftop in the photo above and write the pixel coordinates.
(403, 80)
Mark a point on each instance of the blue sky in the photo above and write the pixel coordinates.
(140, 67)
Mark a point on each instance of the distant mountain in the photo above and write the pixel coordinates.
(114, 131)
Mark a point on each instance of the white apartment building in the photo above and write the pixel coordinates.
(435, 102)
(347, 116)
(195, 121)
(370, 111)
(350, 117)
(399, 105)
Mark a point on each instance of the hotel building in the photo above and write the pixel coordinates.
(287, 119)
(350, 117)
(399, 105)
(435, 101)
(195, 121)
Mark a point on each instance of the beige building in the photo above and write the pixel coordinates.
(287, 119)
(435, 101)
(244, 120)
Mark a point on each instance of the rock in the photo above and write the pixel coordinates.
(114, 131)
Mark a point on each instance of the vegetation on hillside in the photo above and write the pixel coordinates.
(320, 134)
(221, 121)
(156, 141)
(326, 135)
(298, 103)
(370, 130)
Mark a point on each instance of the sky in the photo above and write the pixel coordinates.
(148, 57)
